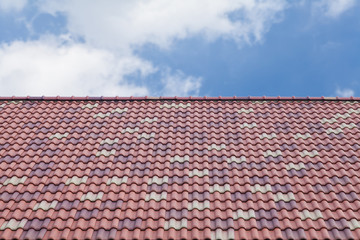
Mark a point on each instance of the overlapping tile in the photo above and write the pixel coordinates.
(179, 169)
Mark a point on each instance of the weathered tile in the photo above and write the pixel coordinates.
(261, 188)
(44, 205)
(117, 180)
(59, 135)
(180, 159)
(14, 181)
(286, 197)
(92, 196)
(217, 147)
(272, 153)
(313, 215)
(244, 110)
(13, 224)
(246, 215)
(76, 180)
(268, 136)
(106, 153)
(220, 188)
(90, 106)
(176, 224)
(156, 196)
(174, 105)
(199, 205)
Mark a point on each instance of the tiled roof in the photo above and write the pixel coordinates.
(179, 168)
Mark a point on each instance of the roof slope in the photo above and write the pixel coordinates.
(185, 168)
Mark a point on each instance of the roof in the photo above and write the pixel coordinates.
(179, 168)
(59, 98)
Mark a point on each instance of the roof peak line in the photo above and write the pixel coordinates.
(249, 98)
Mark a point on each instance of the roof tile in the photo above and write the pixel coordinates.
(92, 196)
(197, 172)
(90, 106)
(261, 188)
(180, 159)
(106, 153)
(59, 136)
(312, 153)
(246, 215)
(109, 141)
(76, 180)
(156, 196)
(157, 180)
(243, 110)
(219, 188)
(268, 136)
(116, 180)
(284, 197)
(313, 215)
(15, 180)
(146, 136)
(199, 205)
(13, 224)
(179, 168)
(272, 153)
(176, 224)
(236, 160)
(149, 120)
(44, 205)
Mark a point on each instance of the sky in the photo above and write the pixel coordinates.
(180, 48)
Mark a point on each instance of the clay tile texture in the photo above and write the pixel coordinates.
(179, 168)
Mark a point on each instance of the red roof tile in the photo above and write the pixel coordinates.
(179, 167)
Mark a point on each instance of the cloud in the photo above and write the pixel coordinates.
(346, 92)
(59, 66)
(334, 8)
(102, 61)
(178, 84)
(50, 67)
(12, 5)
(124, 26)
(128, 24)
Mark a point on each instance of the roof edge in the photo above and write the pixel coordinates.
(148, 98)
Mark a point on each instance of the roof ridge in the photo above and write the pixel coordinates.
(249, 98)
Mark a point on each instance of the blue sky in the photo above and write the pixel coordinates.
(180, 47)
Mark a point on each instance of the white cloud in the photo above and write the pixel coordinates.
(12, 5)
(58, 66)
(346, 92)
(48, 67)
(178, 84)
(124, 24)
(104, 61)
(334, 8)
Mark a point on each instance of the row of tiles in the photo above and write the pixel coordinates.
(185, 116)
(122, 209)
(151, 199)
(191, 156)
(262, 130)
(196, 178)
(208, 173)
(148, 116)
(265, 131)
(133, 167)
(266, 136)
(165, 105)
(91, 103)
(182, 234)
(159, 224)
(195, 151)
